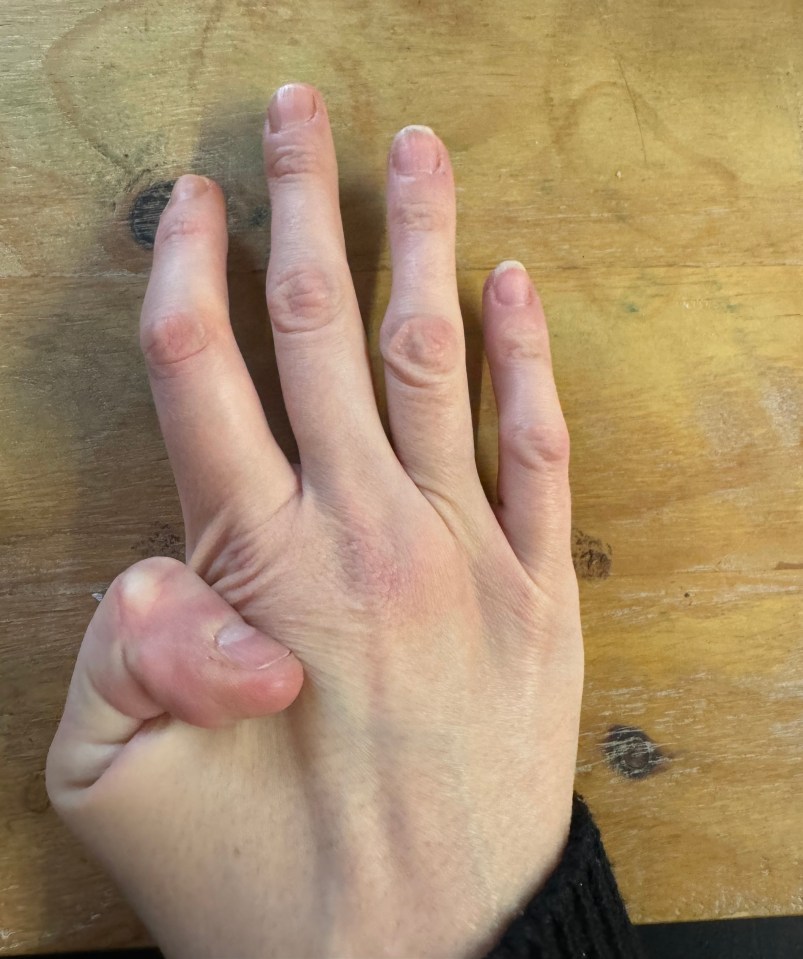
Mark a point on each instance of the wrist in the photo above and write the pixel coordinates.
(450, 894)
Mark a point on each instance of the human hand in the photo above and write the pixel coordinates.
(419, 789)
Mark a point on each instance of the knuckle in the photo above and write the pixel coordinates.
(135, 592)
(420, 216)
(289, 161)
(537, 445)
(370, 566)
(170, 336)
(373, 572)
(303, 297)
(522, 342)
(421, 348)
(178, 224)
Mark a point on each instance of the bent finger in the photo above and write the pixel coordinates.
(163, 642)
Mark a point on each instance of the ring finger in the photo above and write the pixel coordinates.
(422, 339)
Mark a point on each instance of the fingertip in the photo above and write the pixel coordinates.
(509, 285)
(245, 646)
(275, 688)
(196, 209)
(190, 186)
(507, 266)
(287, 678)
(291, 105)
(417, 150)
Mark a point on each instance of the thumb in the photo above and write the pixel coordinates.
(162, 641)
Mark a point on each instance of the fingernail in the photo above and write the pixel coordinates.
(415, 150)
(248, 648)
(511, 284)
(188, 186)
(290, 105)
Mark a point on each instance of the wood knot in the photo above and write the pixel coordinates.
(143, 218)
(591, 557)
(630, 752)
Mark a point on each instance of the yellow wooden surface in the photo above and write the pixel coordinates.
(645, 160)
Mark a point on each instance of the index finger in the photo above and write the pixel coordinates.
(215, 430)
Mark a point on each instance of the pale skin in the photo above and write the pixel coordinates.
(347, 726)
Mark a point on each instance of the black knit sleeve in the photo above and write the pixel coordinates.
(579, 913)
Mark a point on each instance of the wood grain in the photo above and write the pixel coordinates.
(646, 162)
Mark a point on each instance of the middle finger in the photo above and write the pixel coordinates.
(321, 350)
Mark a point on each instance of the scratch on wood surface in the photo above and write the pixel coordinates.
(782, 690)
(601, 16)
(212, 20)
(794, 730)
(633, 103)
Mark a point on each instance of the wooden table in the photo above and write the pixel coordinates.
(645, 160)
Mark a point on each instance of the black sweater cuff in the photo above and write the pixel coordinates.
(579, 913)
